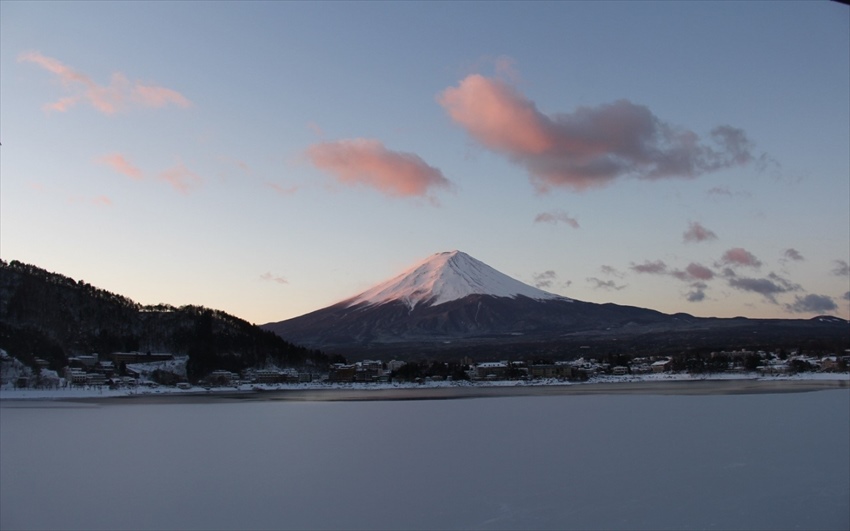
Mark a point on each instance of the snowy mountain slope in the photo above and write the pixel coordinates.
(445, 277)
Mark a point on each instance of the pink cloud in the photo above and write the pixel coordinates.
(591, 146)
(153, 96)
(656, 268)
(107, 99)
(367, 162)
(181, 178)
(556, 217)
(740, 256)
(697, 233)
(119, 163)
(694, 272)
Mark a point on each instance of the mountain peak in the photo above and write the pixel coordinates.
(444, 277)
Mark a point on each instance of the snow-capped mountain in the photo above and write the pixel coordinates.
(445, 277)
(447, 297)
(452, 303)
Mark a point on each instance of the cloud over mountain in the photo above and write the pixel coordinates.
(590, 147)
(812, 304)
(768, 287)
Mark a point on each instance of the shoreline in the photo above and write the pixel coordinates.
(682, 387)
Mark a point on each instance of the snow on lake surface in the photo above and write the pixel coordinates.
(639, 461)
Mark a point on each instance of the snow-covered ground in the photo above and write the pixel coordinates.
(9, 393)
(753, 461)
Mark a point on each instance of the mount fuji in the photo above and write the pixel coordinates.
(452, 303)
(445, 277)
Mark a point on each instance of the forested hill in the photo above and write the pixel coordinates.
(53, 317)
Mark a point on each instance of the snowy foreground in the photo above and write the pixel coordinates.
(601, 461)
(9, 393)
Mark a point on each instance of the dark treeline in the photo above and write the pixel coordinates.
(53, 317)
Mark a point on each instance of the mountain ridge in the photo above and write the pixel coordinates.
(54, 317)
(427, 309)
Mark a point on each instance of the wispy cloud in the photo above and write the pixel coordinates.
(693, 272)
(285, 191)
(590, 147)
(792, 254)
(369, 163)
(611, 271)
(154, 96)
(555, 217)
(598, 283)
(178, 176)
(181, 178)
(269, 277)
(545, 279)
(658, 267)
(841, 269)
(739, 256)
(101, 200)
(724, 191)
(697, 233)
(119, 163)
(812, 304)
(118, 95)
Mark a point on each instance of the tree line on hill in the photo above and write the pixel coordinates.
(53, 317)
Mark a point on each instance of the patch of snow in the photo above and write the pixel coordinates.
(9, 393)
(176, 366)
(445, 277)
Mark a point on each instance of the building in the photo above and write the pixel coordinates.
(267, 376)
(222, 378)
(550, 370)
(493, 370)
(664, 365)
(342, 373)
(75, 376)
(95, 378)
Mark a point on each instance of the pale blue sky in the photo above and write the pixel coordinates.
(266, 81)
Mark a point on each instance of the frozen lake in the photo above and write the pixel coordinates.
(639, 461)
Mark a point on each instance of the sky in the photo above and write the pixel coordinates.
(269, 159)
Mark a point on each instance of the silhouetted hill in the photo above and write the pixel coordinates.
(51, 316)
